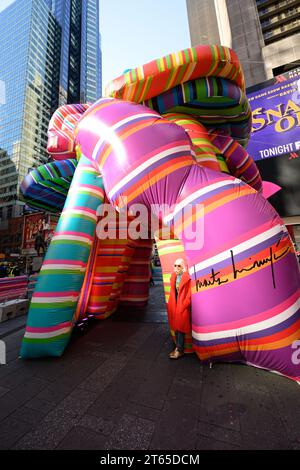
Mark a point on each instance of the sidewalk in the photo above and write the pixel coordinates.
(116, 388)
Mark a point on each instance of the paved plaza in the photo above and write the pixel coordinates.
(116, 388)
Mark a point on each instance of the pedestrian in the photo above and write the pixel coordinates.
(10, 270)
(48, 240)
(16, 270)
(39, 243)
(3, 270)
(151, 274)
(179, 306)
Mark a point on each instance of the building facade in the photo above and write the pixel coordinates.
(49, 56)
(264, 33)
(80, 60)
(280, 24)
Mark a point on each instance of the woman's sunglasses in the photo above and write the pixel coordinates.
(177, 266)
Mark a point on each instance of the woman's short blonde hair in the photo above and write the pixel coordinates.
(181, 262)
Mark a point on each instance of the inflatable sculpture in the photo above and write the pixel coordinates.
(170, 134)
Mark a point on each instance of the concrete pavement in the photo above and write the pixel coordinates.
(116, 388)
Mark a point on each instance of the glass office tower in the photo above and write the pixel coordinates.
(91, 60)
(49, 56)
(29, 52)
(80, 63)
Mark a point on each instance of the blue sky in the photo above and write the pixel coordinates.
(137, 31)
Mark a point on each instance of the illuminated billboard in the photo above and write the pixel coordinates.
(275, 138)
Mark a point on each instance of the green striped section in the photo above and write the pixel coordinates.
(169, 62)
(67, 242)
(148, 85)
(64, 337)
(51, 282)
(166, 251)
(138, 89)
(194, 54)
(43, 305)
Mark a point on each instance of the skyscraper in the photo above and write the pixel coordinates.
(49, 55)
(280, 24)
(264, 33)
(80, 60)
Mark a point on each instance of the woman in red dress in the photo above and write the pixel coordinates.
(179, 306)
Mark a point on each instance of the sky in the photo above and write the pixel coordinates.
(135, 32)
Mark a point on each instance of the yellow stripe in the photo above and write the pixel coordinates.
(144, 88)
(161, 65)
(188, 72)
(99, 298)
(129, 92)
(167, 251)
(140, 73)
(107, 269)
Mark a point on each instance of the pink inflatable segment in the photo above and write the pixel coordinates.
(245, 276)
(60, 130)
(270, 188)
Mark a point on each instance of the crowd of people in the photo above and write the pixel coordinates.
(22, 265)
(10, 269)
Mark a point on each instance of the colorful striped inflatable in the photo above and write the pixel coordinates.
(245, 277)
(158, 76)
(32, 280)
(212, 101)
(104, 283)
(135, 291)
(13, 288)
(111, 266)
(53, 305)
(47, 186)
(61, 130)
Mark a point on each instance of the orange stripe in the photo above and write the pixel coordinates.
(154, 179)
(216, 351)
(165, 165)
(275, 338)
(246, 165)
(231, 149)
(212, 206)
(143, 89)
(173, 82)
(251, 344)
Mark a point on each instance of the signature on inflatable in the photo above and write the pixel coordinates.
(216, 278)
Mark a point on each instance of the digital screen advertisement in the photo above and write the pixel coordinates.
(275, 138)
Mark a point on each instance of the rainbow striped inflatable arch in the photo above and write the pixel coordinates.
(171, 133)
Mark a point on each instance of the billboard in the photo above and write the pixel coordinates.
(275, 137)
(33, 223)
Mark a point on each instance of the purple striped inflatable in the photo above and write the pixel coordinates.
(245, 276)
